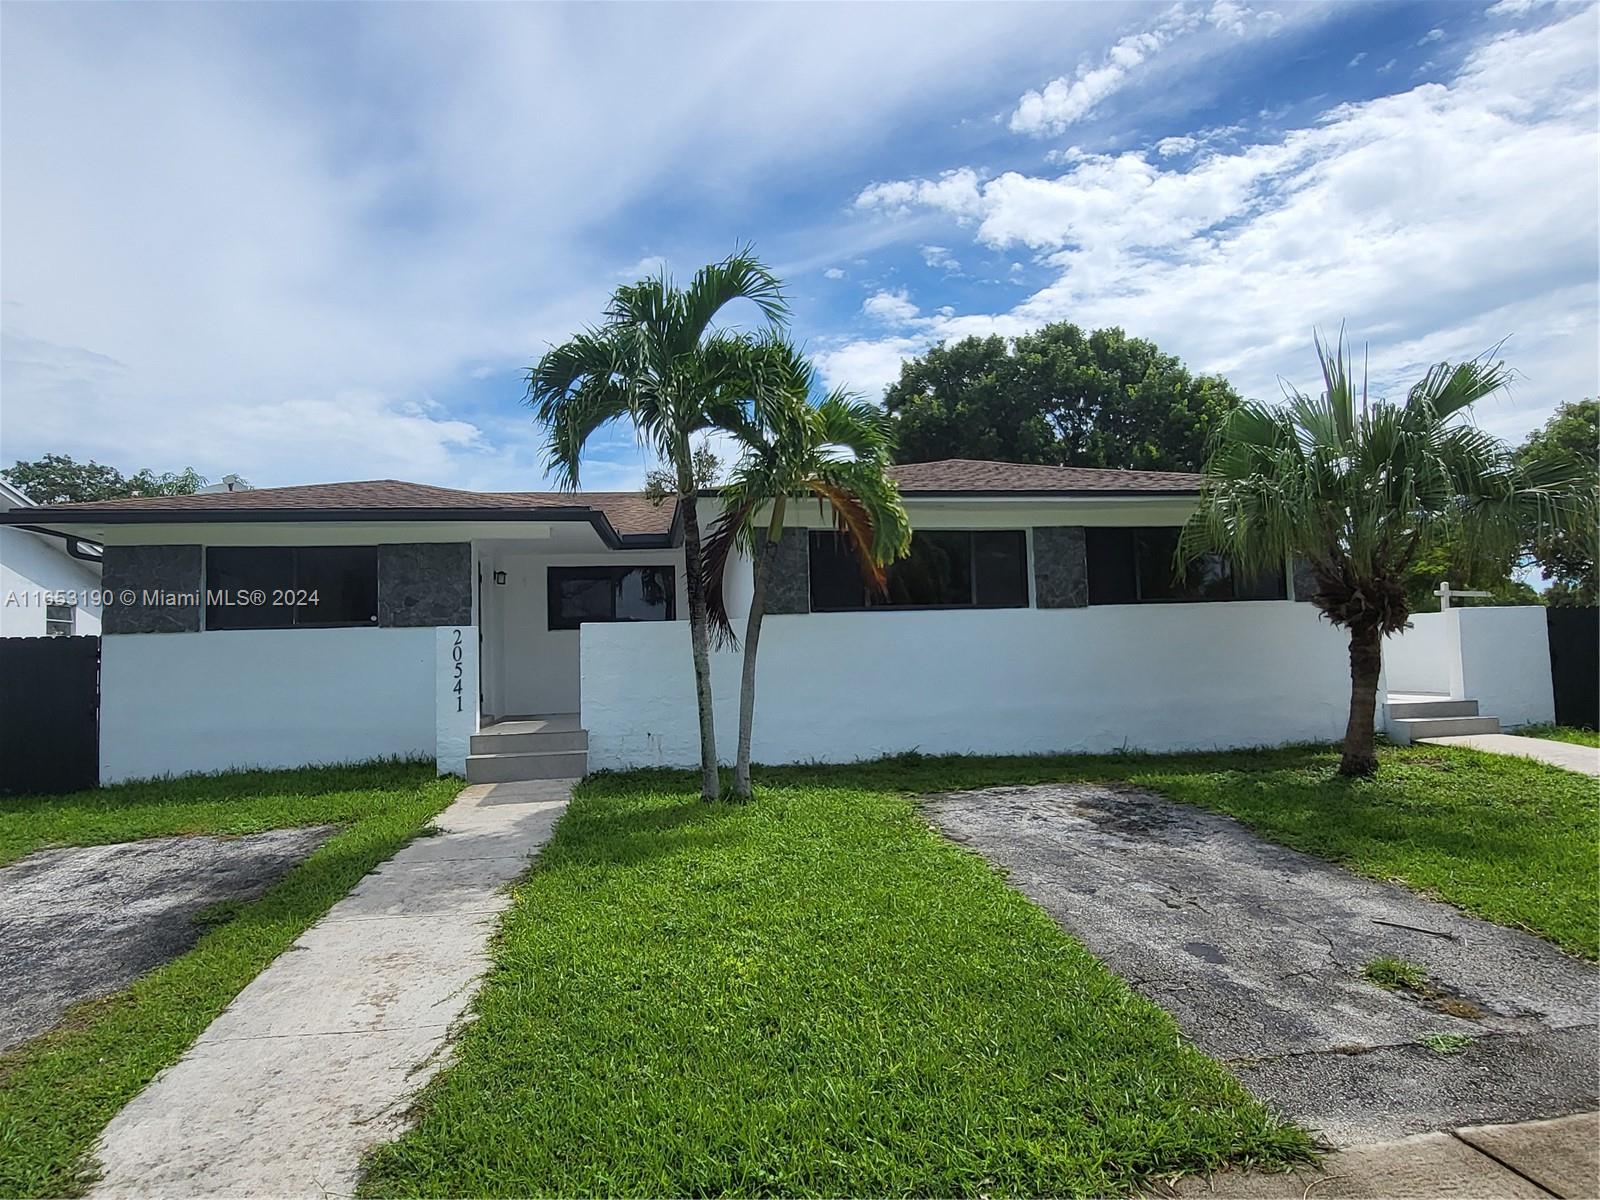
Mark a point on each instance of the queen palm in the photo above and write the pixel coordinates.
(658, 361)
(835, 451)
(1355, 491)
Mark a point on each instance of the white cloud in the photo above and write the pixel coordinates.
(1357, 60)
(833, 273)
(648, 266)
(1436, 220)
(1387, 67)
(1069, 99)
(1169, 147)
(1433, 35)
(1514, 8)
(892, 308)
(866, 366)
(940, 258)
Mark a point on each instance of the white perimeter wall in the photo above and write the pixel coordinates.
(173, 703)
(835, 687)
(1498, 656)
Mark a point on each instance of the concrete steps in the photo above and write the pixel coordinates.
(1409, 717)
(524, 748)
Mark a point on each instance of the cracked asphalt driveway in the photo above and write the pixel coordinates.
(1257, 951)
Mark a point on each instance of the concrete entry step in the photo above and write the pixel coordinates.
(1409, 730)
(529, 743)
(509, 768)
(1407, 709)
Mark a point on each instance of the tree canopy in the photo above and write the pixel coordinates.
(59, 479)
(1567, 557)
(1057, 396)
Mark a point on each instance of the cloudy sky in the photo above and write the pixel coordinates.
(307, 243)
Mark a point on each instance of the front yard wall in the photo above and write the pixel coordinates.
(176, 697)
(836, 687)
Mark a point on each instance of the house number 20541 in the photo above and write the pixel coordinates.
(456, 653)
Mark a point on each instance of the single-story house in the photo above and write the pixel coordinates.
(526, 634)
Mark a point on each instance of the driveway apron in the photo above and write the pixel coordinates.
(1257, 951)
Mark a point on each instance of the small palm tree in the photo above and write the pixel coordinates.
(658, 361)
(835, 451)
(1356, 491)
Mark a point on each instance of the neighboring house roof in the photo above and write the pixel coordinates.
(976, 476)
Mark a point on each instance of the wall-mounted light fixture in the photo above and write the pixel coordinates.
(500, 577)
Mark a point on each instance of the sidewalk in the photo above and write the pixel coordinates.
(1583, 759)
(1539, 1159)
(316, 1059)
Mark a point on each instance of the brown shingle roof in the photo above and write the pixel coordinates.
(629, 513)
(974, 475)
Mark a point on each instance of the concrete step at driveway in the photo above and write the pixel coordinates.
(1407, 709)
(529, 743)
(1409, 730)
(509, 768)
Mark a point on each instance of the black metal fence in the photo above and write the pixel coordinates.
(49, 714)
(1575, 664)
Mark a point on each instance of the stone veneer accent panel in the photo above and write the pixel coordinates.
(425, 583)
(1060, 566)
(1304, 581)
(789, 581)
(152, 572)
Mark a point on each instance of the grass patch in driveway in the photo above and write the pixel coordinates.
(58, 1091)
(811, 995)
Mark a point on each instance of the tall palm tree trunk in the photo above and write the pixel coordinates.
(752, 636)
(700, 640)
(1360, 757)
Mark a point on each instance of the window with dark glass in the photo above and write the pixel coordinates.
(581, 594)
(60, 619)
(1139, 566)
(946, 568)
(287, 587)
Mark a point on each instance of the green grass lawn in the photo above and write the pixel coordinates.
(812, 995)
(58, 1092)
(1562, 733)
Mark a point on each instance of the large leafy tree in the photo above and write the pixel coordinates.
(835, 451)
(1358, 490)
(1058, 396)
(659, 361)
(60, 479)
(1567, 557)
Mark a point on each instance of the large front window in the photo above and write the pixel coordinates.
(1139, 566)
(288, 587)
(947, 568)
(579, 595)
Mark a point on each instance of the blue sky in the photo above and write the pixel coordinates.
(316, 242)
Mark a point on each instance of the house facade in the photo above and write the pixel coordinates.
(513, 635)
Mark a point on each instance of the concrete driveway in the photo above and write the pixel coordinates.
(85, 921)
(1257, 951)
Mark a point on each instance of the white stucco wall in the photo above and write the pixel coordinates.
(173, 703)
(31, 565)
(1504, 662)
(836, 687)
(1418, 659)
(533, 668)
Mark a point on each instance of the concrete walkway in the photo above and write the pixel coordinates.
(315, 1060)
(1583, 759)
(1535, 1159)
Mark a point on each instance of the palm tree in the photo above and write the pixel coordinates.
(1356, 491)
(836, 451)
(658, 361)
